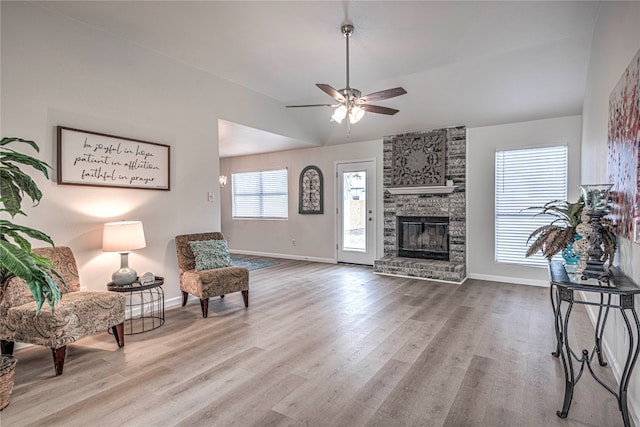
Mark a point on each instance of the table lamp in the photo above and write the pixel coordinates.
(123, 237)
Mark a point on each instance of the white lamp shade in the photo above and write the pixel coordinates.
(355, 114)
(123, 236)
(339, 114)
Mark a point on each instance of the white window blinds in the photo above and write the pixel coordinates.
(262, 194)
(525, 178)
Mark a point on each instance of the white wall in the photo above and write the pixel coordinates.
(57, 71)
(616, 40)
(482, 144)
(315, 235)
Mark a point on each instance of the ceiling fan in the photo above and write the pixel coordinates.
(350, 101)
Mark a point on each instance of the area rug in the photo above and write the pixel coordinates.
(252, 263)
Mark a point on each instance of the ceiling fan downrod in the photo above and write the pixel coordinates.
(347, 30)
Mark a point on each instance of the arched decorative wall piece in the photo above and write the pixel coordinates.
(311, 191)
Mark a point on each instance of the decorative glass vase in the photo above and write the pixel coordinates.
(569, 255)
(595, 196)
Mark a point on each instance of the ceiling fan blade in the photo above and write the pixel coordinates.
(383, 94)
(312, 105)
(378, 109)
(331, 92)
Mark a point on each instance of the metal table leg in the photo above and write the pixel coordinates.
(600, 324)
(555, 305)
(565, 355)
(626, 302)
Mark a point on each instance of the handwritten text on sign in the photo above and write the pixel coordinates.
(95, 159)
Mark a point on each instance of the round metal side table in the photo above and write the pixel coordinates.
(144, 306)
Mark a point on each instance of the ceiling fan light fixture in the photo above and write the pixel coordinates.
(355, 114)
(339, 114)
(350, 100)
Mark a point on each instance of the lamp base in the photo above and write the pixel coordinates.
(125, 275)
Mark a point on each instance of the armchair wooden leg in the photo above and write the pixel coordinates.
(185, 295)
(245, 297)
(58, 358)
(6, 347)
(118, 333)
(204, 303)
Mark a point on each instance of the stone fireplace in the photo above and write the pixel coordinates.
(424, 218)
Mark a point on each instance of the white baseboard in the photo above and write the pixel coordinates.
(505, 279)
(176, 302)
(284, 256)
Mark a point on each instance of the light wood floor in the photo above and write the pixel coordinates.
(324, 345)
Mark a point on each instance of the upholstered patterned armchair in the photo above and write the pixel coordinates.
(211, 282)
(77, 314)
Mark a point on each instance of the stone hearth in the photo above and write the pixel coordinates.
(406, 173)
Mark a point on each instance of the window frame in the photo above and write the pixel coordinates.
(263, 194)
(512, 213)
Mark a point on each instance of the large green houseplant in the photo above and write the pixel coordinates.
(16, 258)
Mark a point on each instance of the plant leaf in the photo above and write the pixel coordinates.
(46, 265)
(8, 227)
(18, 239)
(16, 260)
(11, 198)
(26, 184)
(6, 157)
(6, 141)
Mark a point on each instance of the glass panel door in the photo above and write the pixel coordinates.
(356, 204)
(354, 211)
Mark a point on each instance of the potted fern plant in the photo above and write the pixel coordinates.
(16, 258)
(560, 233)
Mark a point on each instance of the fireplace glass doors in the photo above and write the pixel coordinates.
(425, 237)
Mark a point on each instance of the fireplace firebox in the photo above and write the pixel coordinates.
(425, 237)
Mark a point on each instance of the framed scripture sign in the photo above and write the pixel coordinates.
(98, 159)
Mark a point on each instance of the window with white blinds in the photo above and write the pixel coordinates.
(525, 178)
(262, 194)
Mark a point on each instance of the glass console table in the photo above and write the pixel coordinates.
(618, 294)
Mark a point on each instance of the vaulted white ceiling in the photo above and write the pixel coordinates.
(462, 63)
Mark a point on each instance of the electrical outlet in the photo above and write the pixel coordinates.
(293, 242)
(83, 288)
(210, 196)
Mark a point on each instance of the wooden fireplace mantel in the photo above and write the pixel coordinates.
(437, 189)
